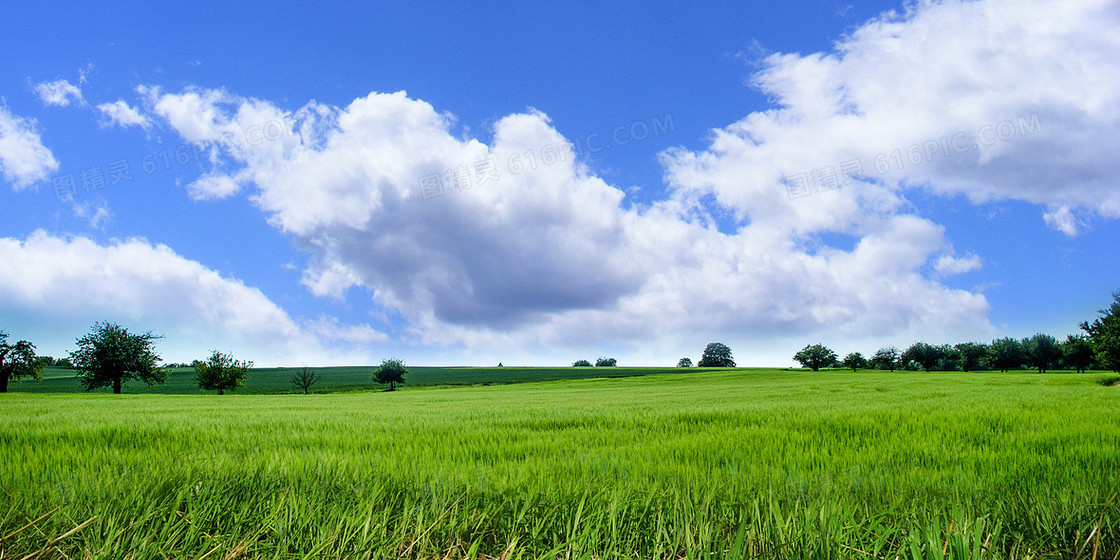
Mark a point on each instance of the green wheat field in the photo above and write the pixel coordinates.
(742, 463)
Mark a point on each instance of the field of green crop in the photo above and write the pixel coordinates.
(715, 464)
(344, 378)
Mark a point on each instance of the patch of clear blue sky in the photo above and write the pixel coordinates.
(591, 67)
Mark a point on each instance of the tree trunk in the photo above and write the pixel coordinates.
(117, 386)
(3, 383)
(221, 392)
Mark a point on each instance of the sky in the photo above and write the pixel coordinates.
(474, 183)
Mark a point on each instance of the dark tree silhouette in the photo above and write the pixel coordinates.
(109, 356)
(391, 371)
(716, 354)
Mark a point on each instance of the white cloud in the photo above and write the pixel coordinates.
(948, 265)
(213, 187)
(59, 92)
(24, 159)
(97, 214)
(65, 281)
(1063, 220)
(123, 115)
(994, 99)
(997, 99)
(545, 256)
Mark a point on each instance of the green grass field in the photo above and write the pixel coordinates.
(337, 379)
(710, 464)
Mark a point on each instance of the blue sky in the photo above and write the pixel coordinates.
(545, 182)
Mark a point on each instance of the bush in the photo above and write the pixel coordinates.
(685, 362)
(1107, 379)
(606, 362)
(581, 363)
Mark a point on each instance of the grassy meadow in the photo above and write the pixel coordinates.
(335, 379)
(710, 464)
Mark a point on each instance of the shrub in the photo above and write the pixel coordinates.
(1107, 379)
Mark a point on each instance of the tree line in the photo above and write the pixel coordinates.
(111, 356)
(1097, 348)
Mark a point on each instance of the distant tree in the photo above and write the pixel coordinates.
(1077, 352)
(716, 354)
(684, 362)
(925, 355)
(815, 357)
(109, 356)
(1104, 334)
(885, 358)
(970, 354)
(17, 361)
(64, 363)
(581, 363)
(221, 372)
(606, 362)
(1004, 354)
(1041, 351)
(304, 379)
(391, 371)
(855, 360)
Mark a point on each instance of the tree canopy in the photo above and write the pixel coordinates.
(855, 360)
(17, 361)
(391, 371)
(885, 358)
(1104, 334)
(221, 372)
(1041, 351)
(924, 354)
(716, 354)
(815, 357)
(109, 356)
(1004, 354)
(1077, 352)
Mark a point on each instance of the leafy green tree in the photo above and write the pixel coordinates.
(581, 363)
(684, 362)
(716, 354)
(970, 354)
(109, 356)
(306, 378)
(1104, 333)
(391, 371)
(923, 354)
(815, 357)
(606, 362)
(17, 361)
(221, 372)
(885, 358)
(1077, 352)
(1041, 351)
(855, 360)
(1004, 354)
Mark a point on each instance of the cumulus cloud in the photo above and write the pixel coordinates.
(60, 93)
(74, 280)
(475, 246)
(24, 159)
(995, 100)
(515, 243)
(123, 115)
